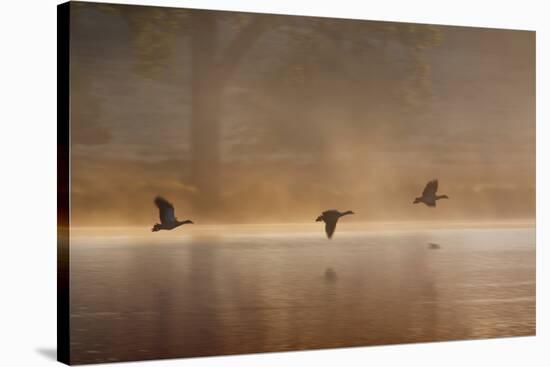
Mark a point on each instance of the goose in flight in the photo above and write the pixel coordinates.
(429, 196)
(330, 217)
(168, 219)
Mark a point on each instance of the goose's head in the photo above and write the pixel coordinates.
(416, 201)
(155, 228)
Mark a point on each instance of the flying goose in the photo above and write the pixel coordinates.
(168, 219)
(429, 196)
(330, 217)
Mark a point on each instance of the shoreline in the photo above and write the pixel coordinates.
(299, 228)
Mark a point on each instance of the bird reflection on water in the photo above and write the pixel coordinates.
(330, 275)
(151, 296)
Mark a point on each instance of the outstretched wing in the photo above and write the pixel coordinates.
(166, 210)
(330, 226)
(330, 212)
(430, 189)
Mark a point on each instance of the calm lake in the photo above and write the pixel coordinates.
(210, 290)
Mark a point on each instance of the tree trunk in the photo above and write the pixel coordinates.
(211, 68)
(206, 105)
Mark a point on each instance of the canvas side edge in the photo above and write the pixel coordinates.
(63, 183)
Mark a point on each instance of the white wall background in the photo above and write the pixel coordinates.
(28, 182)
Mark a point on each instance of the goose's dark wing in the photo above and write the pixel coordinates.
(330, 226)
(430, 189)
(331, 213)
(166, 210)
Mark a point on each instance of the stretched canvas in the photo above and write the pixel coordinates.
(237, 183)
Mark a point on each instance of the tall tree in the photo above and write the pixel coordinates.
(219, 41)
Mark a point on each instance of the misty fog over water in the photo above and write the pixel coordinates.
(244, 290)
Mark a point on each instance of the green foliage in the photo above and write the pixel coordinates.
(380, 63)
(155, 32)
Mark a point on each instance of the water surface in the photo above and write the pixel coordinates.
(242, 289)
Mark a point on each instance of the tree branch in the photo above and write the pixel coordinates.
(234, 52)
